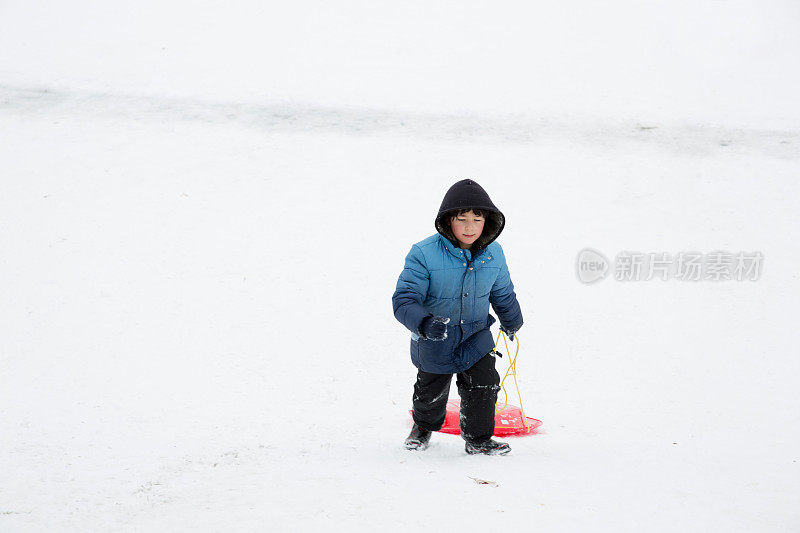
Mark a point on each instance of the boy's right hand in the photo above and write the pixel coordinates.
(434, 328)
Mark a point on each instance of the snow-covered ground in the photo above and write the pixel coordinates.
(204, 210)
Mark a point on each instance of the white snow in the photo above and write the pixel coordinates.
(205, 208)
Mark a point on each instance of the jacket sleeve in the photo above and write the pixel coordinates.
(412, 286)
(504, 300)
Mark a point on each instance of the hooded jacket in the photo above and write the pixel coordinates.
(441, 279)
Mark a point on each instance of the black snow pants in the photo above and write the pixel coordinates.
(478, 386)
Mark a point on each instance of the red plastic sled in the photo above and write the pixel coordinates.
(507, 422)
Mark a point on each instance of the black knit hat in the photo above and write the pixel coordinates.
(467, 194)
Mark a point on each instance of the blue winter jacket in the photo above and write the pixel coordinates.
(441, 280)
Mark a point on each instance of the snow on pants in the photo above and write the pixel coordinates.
(477, 386)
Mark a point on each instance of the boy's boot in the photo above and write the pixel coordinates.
(418, 438)
(487, 447)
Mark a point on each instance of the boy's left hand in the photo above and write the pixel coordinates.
(508, 332)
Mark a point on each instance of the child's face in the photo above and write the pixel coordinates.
(467, 227)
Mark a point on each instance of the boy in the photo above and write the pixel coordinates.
(443, 297)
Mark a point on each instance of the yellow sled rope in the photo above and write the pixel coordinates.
(512, 370)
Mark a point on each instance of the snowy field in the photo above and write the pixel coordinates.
(204, 210)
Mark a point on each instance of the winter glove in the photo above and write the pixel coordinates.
(508, 332)
(434, 328)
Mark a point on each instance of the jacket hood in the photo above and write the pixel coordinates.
(467, 194)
